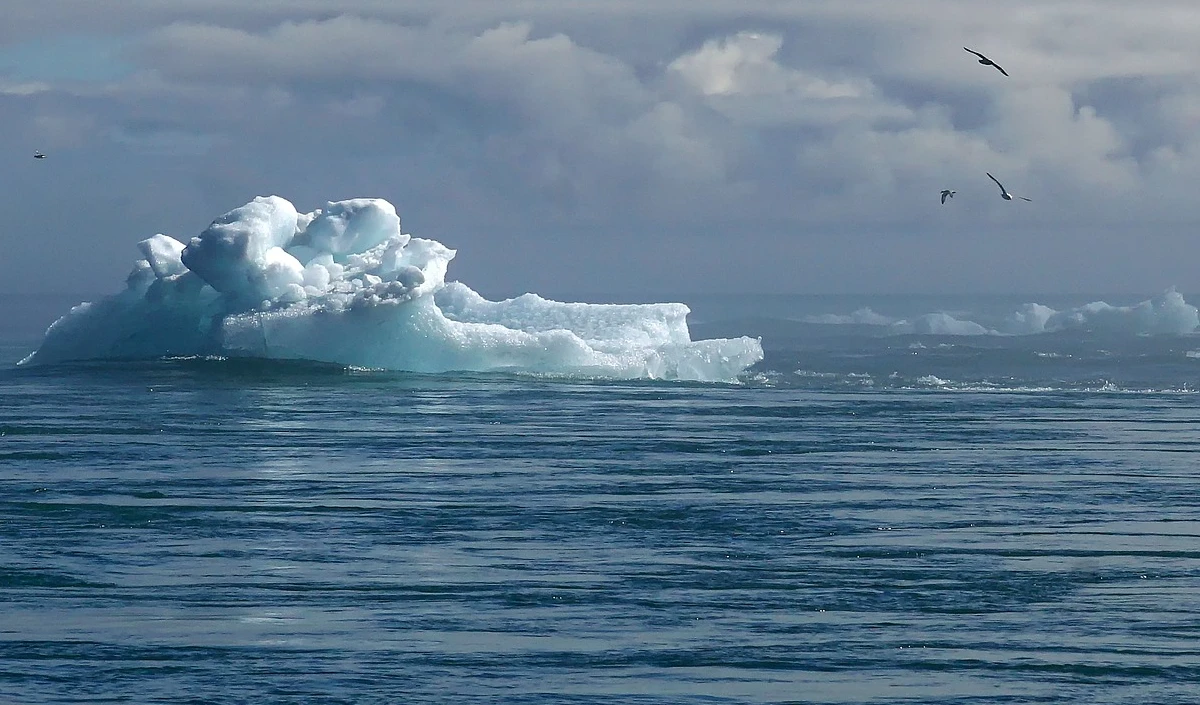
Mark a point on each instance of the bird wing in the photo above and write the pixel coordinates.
(975, 53)
(996, 180)
(999, 69)
(1026, 199)
(944, 194)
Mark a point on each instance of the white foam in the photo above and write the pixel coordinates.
(344, 285)
(932, 381)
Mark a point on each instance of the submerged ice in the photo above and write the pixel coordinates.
(345, 285)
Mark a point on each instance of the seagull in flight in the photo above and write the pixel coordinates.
(38, 155)
(1004, 192)
(947, 193)
(986, 61)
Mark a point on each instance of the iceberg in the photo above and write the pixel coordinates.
(344, 285)
(1165, 314)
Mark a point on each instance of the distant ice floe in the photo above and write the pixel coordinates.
(1166, 314)
(344, 285)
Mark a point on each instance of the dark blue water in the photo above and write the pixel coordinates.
(868, 518)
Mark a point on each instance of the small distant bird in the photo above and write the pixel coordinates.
(986, 61)
(38, 155)
(1004, 192)
(947, 193)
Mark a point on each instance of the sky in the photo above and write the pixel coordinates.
(643, 147)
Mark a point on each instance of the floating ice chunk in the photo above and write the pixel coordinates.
(161, 317)
(594, 322)
(317, 276)
(1167, 314)
(1030, 318)
(281, 274)
(344, 285)
(415, 334)
(417, 262)
(163, 255)
(347, 227)
(945, 324)
(863, 316)
(140, 276)
(232, 254)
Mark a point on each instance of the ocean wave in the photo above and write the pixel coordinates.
(908, 382)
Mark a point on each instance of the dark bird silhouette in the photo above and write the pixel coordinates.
(1004, 192)
(947, 193)
(38, 155)
(986, 61)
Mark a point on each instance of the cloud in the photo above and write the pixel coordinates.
(163, 139)
(571, 122)
(567, 117)
(64, 130)
(702, 117)
(746, 64)
(23, 88)
(741, 77)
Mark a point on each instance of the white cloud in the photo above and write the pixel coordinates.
(741, 77)
(23, 87)
(745, 64)
(646, 116)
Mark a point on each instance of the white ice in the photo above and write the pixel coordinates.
(1166, 314)
(345, 285)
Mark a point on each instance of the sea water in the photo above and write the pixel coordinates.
(872, 514)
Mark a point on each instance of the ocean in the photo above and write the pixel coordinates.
(900, 504)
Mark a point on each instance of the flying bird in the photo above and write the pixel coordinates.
(1004, 192)
(947, 193)
(38, 155)
(986, 61)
